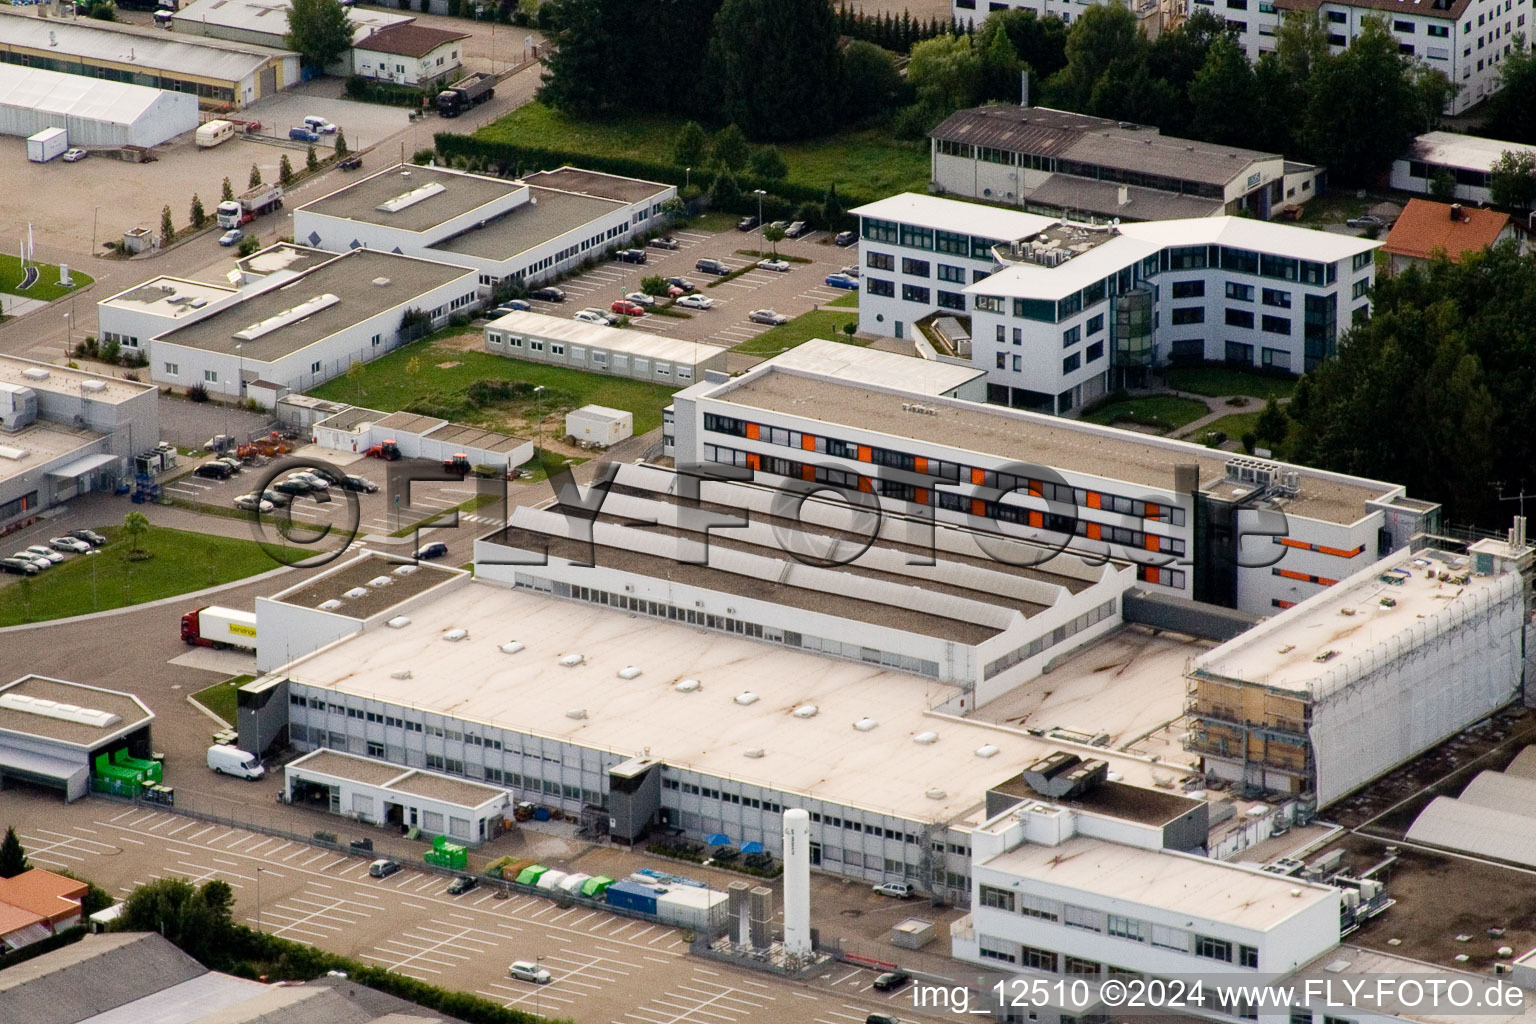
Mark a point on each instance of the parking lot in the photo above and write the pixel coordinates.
(797, 291)
(605, 967)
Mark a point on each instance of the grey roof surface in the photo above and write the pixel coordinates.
(1096, 140)
(596, 183)
(533, 223)
(1501, 792)
(334, 584)
(146, 50)
(350, 278)
(1524, 764)
(92, 976)
(125, 707)
(191, 1000)
(408, 40)
(462, 193)
(1069, 192)
(1482, 831)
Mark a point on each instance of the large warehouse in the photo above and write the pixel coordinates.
(52, 730)
(93, 111)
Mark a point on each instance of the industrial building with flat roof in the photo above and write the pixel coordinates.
(94, 112)
(421, 437)
(378, 793)
(1467, 158)
(1226, 529)
(301, 331)
(137, 314)
(505, 230)
(597, 348)
(51, 730)
(219, 74)
(265, 23)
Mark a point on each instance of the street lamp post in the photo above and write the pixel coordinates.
(762, 239)
(538, 963)
(69, 346)
(687, 177)
(538, 412)
(259, 870)
(94, 606)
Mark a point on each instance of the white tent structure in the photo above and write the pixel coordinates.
(94, 111)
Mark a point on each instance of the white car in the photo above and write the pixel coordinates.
(252, 502)
(32, 557)
(851, 271)
(70, 544)
(315, 123)
(780, 266)
(767, 316)
(591, 316)
(75, 154)
(896, 890)
(695, 302)
(641, 299)
(43, 551)
(315, 480)
(526, 970)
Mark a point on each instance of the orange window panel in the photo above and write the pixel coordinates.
(1093, 500)
(1151, 542)
(1154, 575)
(1325, 581)
(1341, 552)
(807, 472)
(1037, 520)
(752, 431)
(1153, 511)
(808, 442)
(978, 507)
(864, 453)
(754, 461)
(919, 464)
(1094, 531)
(1285, 604)
(865, 485)
(1291, 574)
(978, 476)
(922, 496)
(1290, 543)
(1034, 488)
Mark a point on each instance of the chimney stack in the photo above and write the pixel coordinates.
(1455, 211)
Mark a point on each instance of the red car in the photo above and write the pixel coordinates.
(626, 308)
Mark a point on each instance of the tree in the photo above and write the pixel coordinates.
(1222, 95)
(724, 192)
(284, 171)
(311, 160)
(1512, 180)
(691, 146)
(1512, 110)
(655, 285)
(13, 859)
(773, 235)
(871, 83)
(1041, 43)
(730, 150)
(254, 181)
(591, 63)
(946, 73)
(833, 208)
(341, 144)
(768, 164)
(1272, 425)
(198, 921)
(167, 226)
(774, 64)
(319, 31)
(1442, 186)
(227, 192)
(198, 215)
(248, 245)
(1104, 38)
(135, 529)
(1000, 64)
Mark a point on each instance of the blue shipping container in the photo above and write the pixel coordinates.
(631, 896)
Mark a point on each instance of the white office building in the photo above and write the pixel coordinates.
(1467, 158)
(596, 348)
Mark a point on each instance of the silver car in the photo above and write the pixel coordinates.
(72, 545)
(43, 551)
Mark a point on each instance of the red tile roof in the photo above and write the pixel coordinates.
(50, 896)
(14, 919)
(408, 40)
(1426, 226)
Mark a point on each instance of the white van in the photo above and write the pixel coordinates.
(227, 760)
(319, 125)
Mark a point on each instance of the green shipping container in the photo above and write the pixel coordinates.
(596, 885)
(531, 874)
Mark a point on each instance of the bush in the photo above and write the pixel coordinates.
(197, 393)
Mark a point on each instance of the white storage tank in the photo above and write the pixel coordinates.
(599, 426)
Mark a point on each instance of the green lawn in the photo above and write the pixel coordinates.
(1165, 412)
(820, 323)
(181, 562)
(866, 163)
(1234, 426)
(440, 370)
(1219, 382)
(849, 301)
(220, 697)
(47, 287)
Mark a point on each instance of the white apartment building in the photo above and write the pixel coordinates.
(1229, 530)
(1468, 158)
(1065, 311)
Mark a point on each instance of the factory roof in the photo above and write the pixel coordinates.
(63, 380)
(823, 756)
(144, 50)
(461, 194)
(397, 778)
(129, 710)
(1027, 438)
(1358, 965)
(1306, 647)
(860, 365)
(1469, 152)
(596, 183)
(334, 585)
(63, 95)
(955, 215)
(408, 40)
(549, 214)
(443, 431)
(284, 256)
(1097, 141)
(345, 291)
(1102, 198)
(1181, 884)
(600, 336)
(173, 297)
(271, 16)
(31, 447)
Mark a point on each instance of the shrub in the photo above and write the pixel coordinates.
(197, 393)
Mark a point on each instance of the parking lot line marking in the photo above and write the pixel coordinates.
(194, 836)
(660, 937)
(701, 970)
(182, 829)
(804, 995)
(484, 897)
(413, 906)
(845, 977)
(394, 967)
(318, 885)
(621, 930)
(296, 853)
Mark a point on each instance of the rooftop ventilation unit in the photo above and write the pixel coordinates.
(806, 711)
(752, 752)
(95, 387)
(572, 660)
(577, 713)
(936, 794)
(1062, 776)
(746, 698)
(926, 738)
(453, 636)
(865, 724)
(629, 672)
(332, 605)
(1257, 472)
(356, 592)
(511, 647)
(14, 454)
(411, 198)
(288, 316)
(399, 622)
(381, 282)
(404, 673)
(986, 750)
(404, 570)
(63, 712)
(380, 581)
(35, 373)
(687, 686)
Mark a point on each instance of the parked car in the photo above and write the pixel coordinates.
(778, 266)
(626, 308)
(524, 970)
(91, 537)
(462, 884)
(304, 134)
(351, 162)
(548, 295)
(315, 480)
(780, 224)
(641, 299)
(591, 316)
(845, 238)
(214, 471)
(31, 556)
(746, 224)
(630, 256)
(383, 868)
(19, 566)
(352, 482)
(681, 282)
(69, 544)
(437, 550)
(295, 487)
(767, 316)
(841, 280)
(231, 236)
(513, 306)
(709, 266)
(881, 1018)
(218, 443)
(75, 154)
(234, 464)
(43, 551)
(1368, 220)
(278, 498)
(316, 123)
(253, 503)
(851, 270)
(890, 981)
(795, 230)
(664, 242)
(695, 302)
(896, 890)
